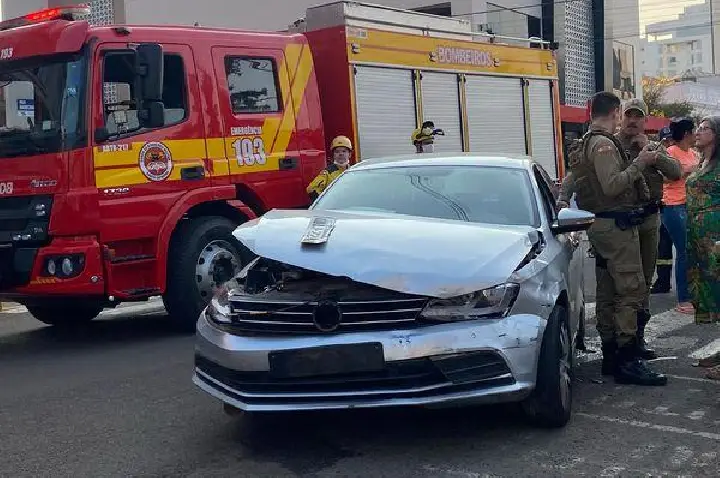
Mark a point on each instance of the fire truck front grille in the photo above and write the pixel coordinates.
(24, 220)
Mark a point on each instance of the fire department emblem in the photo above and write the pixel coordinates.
(156, 161)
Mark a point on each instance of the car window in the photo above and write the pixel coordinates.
(546, 194)
(490, 195)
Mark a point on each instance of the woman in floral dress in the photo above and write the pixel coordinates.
(703, 231)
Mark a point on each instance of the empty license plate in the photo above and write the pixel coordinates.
(327, 360)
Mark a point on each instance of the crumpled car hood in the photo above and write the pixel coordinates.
(428, 257)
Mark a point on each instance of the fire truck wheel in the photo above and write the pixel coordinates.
(203, 255)
(64, 315)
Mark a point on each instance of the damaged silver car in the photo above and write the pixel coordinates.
(423, 280)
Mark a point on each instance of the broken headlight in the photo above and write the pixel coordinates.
(218, 310)
(490, 303)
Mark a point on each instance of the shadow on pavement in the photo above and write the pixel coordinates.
(308, 442)
(97, 334)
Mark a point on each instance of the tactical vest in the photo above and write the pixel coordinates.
(590, 195)
(653, 178)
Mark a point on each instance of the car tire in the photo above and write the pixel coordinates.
(65, 315)
(197, 249)
(550, 405)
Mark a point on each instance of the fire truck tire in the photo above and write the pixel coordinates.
(65, 315)
(203, 252)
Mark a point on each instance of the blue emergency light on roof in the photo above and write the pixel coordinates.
(55, 13)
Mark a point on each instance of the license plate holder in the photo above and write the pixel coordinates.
(327, 360)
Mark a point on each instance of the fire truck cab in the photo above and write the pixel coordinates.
(129, 154)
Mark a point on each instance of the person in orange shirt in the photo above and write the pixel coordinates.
(674, 213)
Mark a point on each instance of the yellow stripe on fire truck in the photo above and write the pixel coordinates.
(128, 164)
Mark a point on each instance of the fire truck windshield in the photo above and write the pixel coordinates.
(41, 105)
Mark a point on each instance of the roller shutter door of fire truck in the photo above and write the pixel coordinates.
(496, 116)
(441, 104)
(542, 125)
(385, 105)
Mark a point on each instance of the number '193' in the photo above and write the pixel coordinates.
(250, 151)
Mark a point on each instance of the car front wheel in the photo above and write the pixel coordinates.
(551, 403)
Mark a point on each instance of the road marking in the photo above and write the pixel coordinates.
(652, 426)
(710, 349)
(693, 379)
(456, 472)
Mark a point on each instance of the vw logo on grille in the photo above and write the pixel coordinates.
(327, 316)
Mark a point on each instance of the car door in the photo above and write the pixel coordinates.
(570, 244)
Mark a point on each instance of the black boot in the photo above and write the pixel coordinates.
(631, 370)
(643, 317)
(609, 350)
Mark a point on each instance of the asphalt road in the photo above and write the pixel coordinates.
(117, 401)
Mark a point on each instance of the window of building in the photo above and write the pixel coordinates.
(253, 84)
(442, 9)
(697, 57)
(120, 111)
(672, 59)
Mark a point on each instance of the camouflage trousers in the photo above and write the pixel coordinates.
(621, 284)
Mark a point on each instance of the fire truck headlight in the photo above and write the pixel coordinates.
(65, 266)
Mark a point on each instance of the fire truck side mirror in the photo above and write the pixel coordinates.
(149, 68)
(149, 71)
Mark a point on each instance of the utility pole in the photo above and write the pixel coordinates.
(712, 37)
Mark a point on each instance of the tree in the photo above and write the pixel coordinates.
(654, 97)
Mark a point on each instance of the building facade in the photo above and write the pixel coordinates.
(682, 46)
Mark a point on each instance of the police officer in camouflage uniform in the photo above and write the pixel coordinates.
(608, 184)
(633, 139)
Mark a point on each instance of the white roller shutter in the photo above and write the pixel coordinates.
(441, 105)
(495, 115)
(385, 105)
(542, 125)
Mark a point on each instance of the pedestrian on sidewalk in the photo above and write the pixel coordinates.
(674, 212)
(703, 224)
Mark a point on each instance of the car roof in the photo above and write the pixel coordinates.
(444, 159)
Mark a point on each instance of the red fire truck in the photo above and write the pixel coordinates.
(128, 154)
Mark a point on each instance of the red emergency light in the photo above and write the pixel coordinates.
(55, 13)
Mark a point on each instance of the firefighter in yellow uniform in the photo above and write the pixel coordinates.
(341, 150)
(423, 138)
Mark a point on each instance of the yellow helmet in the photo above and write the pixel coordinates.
(341, 141)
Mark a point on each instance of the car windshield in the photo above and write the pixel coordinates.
(41, 105)
(482, 194)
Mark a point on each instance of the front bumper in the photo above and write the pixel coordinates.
(464, 363)
(22, 275)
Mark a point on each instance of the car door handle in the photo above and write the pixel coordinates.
(289, 163)
(193, 173)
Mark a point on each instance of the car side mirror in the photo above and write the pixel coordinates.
(572, 220)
